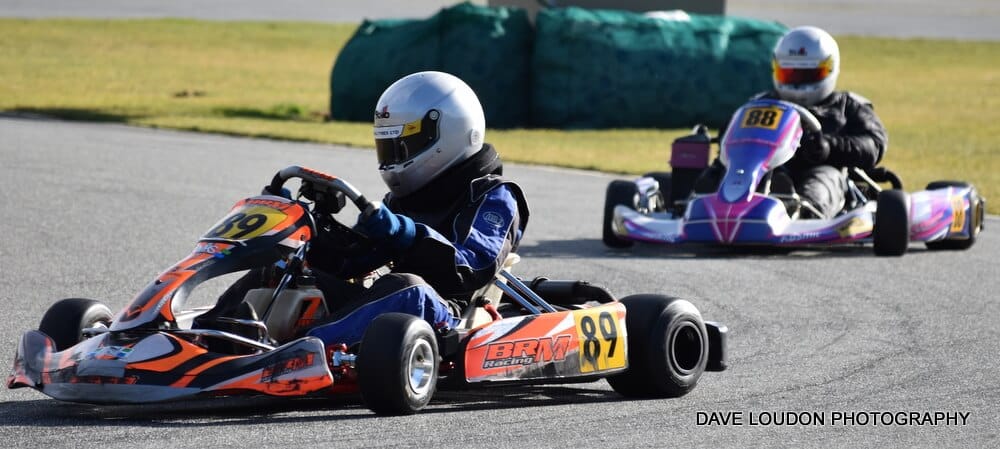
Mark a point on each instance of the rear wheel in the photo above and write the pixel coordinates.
(619, 192)
(668, 347)
(934, 185)
(397, 364)
(976, 214)
(65, 320)
(891, 234)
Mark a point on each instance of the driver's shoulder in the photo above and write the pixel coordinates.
(497, 189)
(859, 98)
(855, 98)
(493, 185)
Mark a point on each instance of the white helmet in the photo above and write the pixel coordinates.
(806, 65)
(425, 123)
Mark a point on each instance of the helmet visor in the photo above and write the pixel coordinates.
(797, 75)
(400, 143)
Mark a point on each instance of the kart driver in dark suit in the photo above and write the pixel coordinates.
(805, 67)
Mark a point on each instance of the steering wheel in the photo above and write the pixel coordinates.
(331, 234)
(809, 121)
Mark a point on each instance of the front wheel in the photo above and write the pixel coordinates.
(619, 192)
(67, 318)
(668, 347)
(891, 235)
(397, 364)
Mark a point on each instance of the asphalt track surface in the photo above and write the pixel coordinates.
(98, 210)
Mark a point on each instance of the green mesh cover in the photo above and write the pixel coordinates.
(488, 48)
(602, 68)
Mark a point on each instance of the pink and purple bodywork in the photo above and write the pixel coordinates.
(737, 214)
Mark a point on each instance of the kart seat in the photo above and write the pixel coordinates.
(294, 309)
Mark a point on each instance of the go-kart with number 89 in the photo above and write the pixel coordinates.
(542, 331)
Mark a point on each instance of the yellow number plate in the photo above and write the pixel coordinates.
(602, 339)
(247, 223)
(766, 117)
(957, 213)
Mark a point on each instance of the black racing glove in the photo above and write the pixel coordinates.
(813, 148)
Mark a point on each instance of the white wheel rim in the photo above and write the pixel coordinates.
(420, 367)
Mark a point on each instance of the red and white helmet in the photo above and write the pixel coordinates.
(805, 66)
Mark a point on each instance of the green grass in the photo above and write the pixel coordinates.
(939, 99)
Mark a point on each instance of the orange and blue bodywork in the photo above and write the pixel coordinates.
(161, 367)
(148, 353)
(144, 356)
(549, 346)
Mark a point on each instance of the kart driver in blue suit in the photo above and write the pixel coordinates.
(445, 227)
(449, 220)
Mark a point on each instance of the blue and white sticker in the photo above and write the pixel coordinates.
(494, 219)
(108, 352)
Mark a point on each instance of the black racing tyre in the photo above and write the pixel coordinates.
(976, 210)
(667, 347)
(65, 320)
(397, 364)
(934, 185)
(663, 178)
(891, 234)
(619, 192)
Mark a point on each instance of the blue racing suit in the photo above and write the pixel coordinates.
(462, 232)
